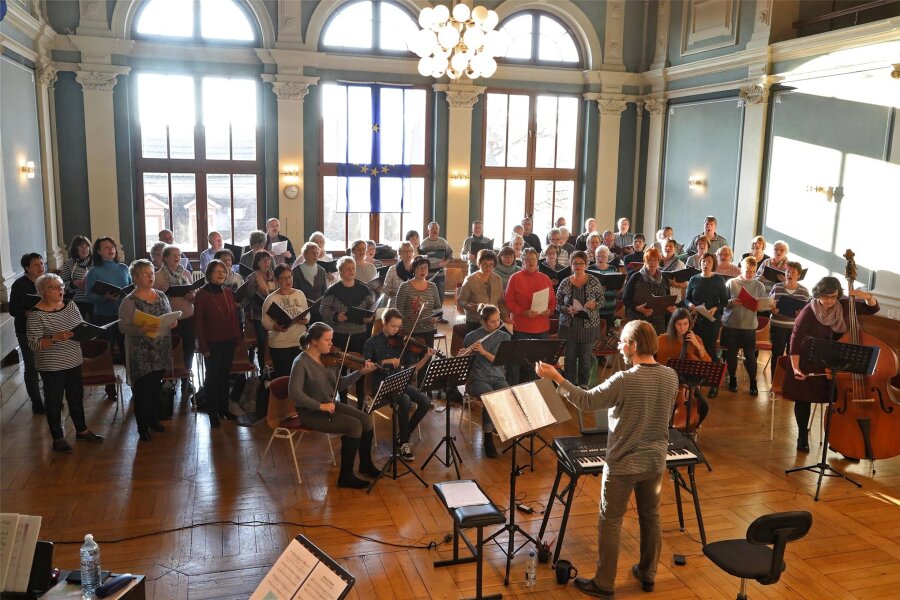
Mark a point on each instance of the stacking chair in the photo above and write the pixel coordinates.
(97, 369)
(179, 370)
(764, 339)
(752, 558)
(285, 423)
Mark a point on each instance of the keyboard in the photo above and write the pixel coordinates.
(586, 454)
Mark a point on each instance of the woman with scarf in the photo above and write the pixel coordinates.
(825, 317)
(173, 273)
(399, 273)
(506, 265)
(644, 283)
(74, 271)
(779, 262)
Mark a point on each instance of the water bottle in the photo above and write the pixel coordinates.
(531, 570)
(90, 566)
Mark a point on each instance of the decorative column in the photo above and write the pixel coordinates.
(290, 92)
(754, 98)
(657, 109)
(661, 48)
(44, 80)
(462, 99)
(608, 161)
(100, 142)
(639, 125)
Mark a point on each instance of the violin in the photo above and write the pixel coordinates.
(351, 360)
(416, 345)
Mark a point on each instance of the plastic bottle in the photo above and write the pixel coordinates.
(90, 566)
(531, 570)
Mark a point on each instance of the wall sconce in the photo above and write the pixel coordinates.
(27, 169)
(459, 178)
(832, 194)
(291, 175)
(696, 182)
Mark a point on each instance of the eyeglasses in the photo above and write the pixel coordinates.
(829, 297)
(578, 263)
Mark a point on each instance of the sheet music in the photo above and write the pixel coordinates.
(707, 313)
(279, 248)
(322, 584)
(287, 574)
(534, 409)
(540, 300)
(165, 321)
(464, 493)
(8, 522)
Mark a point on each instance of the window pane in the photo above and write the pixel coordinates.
(555, 43)
(564, 201)
(215, 118)
(153, 140)
(242, 93)
(546, 131)
(414, 218)
(551, 201)
(357, 227)
(515, 205)
(415, 124)
(391, 128)
(173, 18)
(395, 28)
(519, 30)
(389, 227)
(494, 198)
(166, 102)
(218, 202)
(184, 211)
(334, 222)
(392, 191)
(229, 109)
(334, 123)
(222, 20)
(245, 207)
(567, 133)
(351, 27)
(359, 121)
(156, 207)
(495, 134)
(518, 131)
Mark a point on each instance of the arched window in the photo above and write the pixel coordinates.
(373, 26)
(203, 20)
(539, 38)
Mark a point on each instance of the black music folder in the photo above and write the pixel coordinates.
(773, 274)
(557, 274)
(237, 251)
(789, 307)
(180, 291)
(356, 315)
(88, 331)
(330, 266)
(476, 247)
(609, 281)
(244, 271)
(102, 288)
(282, 317)
(681, 275)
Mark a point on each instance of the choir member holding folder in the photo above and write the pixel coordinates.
(51, 336)
(216, 322)
(175, 281)
(642, 287)
(483, 286)
(399, 273)
(599, 269)
(706, 295)
(309, 276)
(789, 298)
(531, 300)
(148, 349)
(284, 315)
(260, 283)
(739, 322)
(419, 299)
(580, 298)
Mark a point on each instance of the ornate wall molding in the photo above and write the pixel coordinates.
(611, 108)
(97, 81)
(290, 90)
(656, 106)
(46, 75)
(459, 95)
(754, 94)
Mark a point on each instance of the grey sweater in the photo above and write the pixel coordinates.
(312, 384)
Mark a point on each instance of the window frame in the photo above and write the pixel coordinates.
(374, 50)
(197, 38)
(533, 60)
(529, 173)
(424, 171)
(200, 167)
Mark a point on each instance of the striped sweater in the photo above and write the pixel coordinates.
(60, 355)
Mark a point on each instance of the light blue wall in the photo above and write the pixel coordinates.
(21, 142)
(702, 138)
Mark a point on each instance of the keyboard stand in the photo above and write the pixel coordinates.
(680, 483)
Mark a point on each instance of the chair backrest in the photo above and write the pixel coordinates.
(250, 336)
(762, 329)
(377, 326)
(240, 363)
(280, 406)
(777, 529)
(456, 342)
(178, 367)
(98, 361)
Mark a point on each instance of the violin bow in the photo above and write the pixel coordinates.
(337, 381)
(410, 332)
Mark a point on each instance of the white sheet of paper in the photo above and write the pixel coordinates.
(279, 248)
(707, 313)
(464, 493)
(287, 574)
(19, 569)
(322, 584)
(8, 523)
(540, 301)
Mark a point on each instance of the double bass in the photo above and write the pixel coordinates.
(686, 414)
(865, 423)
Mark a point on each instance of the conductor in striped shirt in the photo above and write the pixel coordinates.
(640, 402)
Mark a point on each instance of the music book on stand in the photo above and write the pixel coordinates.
(303, 571)
(521, 409)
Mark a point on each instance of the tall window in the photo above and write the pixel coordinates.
(540, 39)
(372, 26)
(198, 141)
(529, 161)
(374, 174)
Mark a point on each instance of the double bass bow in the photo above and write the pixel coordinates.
(865, 424)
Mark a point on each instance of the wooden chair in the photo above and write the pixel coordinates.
(285, 423)
(180, 371)
(97, 369)
(764, 339)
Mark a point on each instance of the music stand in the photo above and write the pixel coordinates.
(393, 385)
(836, 357)
(518, 411)
(446, 374)
(527, 352)
(693, 373)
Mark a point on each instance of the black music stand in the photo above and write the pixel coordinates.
(446, 374)
(518, 411)
(527, 352)
(388, 392)
(836, 357)
(693, 373)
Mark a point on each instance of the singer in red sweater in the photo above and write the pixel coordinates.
(528, 324)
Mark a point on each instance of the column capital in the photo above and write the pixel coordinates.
(639, 108)
(290, 90)
(611, 108)
(655, 106)
(46, 75)
(459, 95)
(754, 94)
(100, 81)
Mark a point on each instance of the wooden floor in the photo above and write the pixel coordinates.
(191, 476)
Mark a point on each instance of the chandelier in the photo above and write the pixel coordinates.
(460, 42)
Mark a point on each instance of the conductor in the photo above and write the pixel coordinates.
(640, 403)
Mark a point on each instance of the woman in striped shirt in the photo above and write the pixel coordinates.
(75, 269)
(58, 356)
(782, 325)
(417, 294)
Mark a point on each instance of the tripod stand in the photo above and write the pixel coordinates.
(446, 374)
(836, 357)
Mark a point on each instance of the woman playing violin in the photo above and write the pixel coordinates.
(312, 387)
(381, 351)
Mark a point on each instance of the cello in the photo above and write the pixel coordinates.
(865, 424)
(686, 413)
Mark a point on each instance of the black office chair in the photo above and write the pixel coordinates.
(752, 558)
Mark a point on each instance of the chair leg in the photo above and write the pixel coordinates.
(294, 456)
(331, 449)
(742, 595)
(261, 458)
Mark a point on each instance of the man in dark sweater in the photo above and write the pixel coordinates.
(640, 404)
(378, 350)
(19, 304)
(530, 237)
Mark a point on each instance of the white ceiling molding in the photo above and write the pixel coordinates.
(841, 39)
(22, 20)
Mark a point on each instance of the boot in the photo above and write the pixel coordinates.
(346, 478)
(366, 467)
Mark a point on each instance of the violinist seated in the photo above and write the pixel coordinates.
(680, 342)
(384, 350)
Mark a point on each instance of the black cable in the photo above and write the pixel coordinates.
(255, 523)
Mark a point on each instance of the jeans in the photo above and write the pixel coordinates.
(616, 490)
(477, 388)
(517, 374)
(579, 362)
(218, 364)
(31, 373)
(734, 339)
(56, 385)
(145, 394)
(407, 424)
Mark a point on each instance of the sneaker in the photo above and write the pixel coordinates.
(490, 450)
(61, 445)
(406, 453)
(88, 436)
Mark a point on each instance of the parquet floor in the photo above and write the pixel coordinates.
(191, 476)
